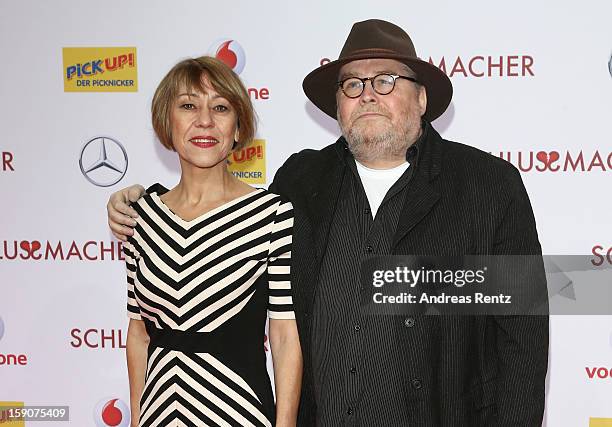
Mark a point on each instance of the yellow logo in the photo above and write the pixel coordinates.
(5, 417)
(100, 69)
(249, 164)
(600, 422)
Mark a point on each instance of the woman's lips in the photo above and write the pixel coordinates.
(204, 142)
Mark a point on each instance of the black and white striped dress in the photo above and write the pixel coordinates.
(203, 289)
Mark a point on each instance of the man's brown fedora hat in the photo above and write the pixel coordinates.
(375, 38)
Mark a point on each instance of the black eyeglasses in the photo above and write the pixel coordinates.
(383, 84)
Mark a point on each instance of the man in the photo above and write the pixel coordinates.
(392, 186)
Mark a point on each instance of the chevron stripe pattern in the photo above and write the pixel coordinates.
(196, 279)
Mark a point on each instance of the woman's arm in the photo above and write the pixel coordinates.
(287, 358)
(137, 345)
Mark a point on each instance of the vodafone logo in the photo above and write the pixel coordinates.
(11, 359)
(112, 413)
(230, 52)
(598, 372)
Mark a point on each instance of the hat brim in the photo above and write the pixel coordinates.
(320, 84)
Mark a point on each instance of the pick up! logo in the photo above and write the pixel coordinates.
(249, 164)
(100, 69)
(5, 419)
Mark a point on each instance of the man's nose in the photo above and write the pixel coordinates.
(369, 94)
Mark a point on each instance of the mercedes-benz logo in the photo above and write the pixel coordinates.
(103, 161)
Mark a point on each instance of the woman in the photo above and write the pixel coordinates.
(206, 260)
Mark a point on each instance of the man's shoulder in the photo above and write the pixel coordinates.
(310, 155)
(461, 151)
(305, 171)
(477, 169)
(309, 161)
(474, 161)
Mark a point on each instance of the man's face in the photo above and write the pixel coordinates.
(380, 128)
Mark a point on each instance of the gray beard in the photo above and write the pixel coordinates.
(384, 146)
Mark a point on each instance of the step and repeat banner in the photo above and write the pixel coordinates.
(533, 85)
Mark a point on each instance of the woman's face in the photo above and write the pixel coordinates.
(204, 126)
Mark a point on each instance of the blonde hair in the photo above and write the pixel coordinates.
(188, 74)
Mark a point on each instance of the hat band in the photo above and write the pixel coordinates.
(373, 51)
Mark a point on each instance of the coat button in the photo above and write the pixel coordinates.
(349, 411)
(369, 249)
(417, 384)
(409, 322)
(357, 328)
(353, 370)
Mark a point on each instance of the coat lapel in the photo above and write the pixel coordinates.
(325, 198)
(421, 196)
(420, 199)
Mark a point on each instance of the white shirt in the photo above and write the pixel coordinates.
(377, 182)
